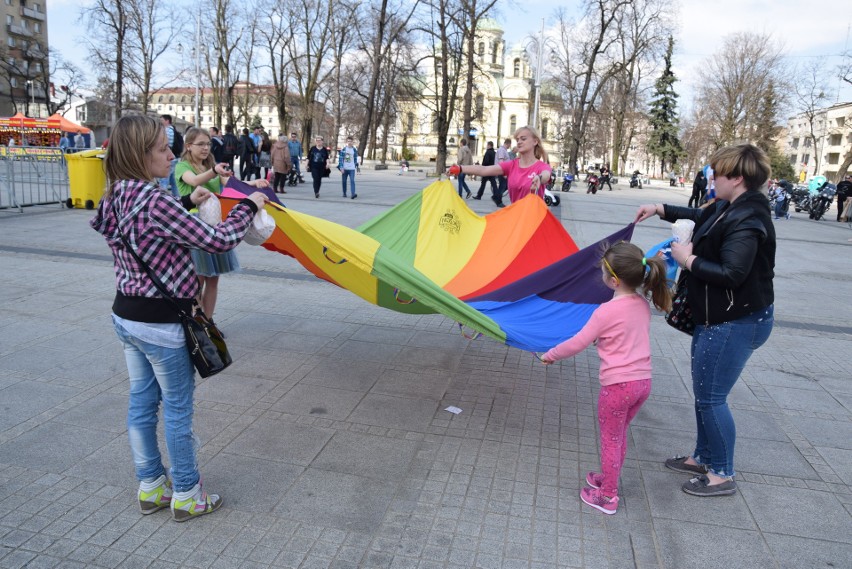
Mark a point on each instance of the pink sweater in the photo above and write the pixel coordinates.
(622, 328)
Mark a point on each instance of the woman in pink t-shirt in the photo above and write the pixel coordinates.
(622, 329)
(527, 174)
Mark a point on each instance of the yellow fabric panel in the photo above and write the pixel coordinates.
(310, 234)
(448, 235)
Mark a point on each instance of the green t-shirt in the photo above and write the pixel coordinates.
(214, 185)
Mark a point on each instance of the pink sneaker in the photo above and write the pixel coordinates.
(594, 498)
(594, 479)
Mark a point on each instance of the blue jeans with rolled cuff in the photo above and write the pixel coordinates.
(719, 355)
(160, 374)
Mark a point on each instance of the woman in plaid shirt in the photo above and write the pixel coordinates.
(161, 231)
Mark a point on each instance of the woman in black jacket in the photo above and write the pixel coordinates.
(730, 264)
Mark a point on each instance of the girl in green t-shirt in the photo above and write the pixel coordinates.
(198, 168)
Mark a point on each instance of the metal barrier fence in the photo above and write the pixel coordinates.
(32, 175)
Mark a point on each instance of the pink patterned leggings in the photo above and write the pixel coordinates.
(617, 405)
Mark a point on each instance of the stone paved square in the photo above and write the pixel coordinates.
(329, 442)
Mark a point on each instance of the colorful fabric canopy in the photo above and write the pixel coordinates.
(515, 275)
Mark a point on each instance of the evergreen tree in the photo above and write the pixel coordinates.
(766, 129)
(664, 142)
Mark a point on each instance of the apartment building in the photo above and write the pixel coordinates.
(24, 69)
(818, 147)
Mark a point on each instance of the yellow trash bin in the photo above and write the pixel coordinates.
(86, 178)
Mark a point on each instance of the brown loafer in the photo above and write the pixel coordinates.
(700, 486)
(679, 464)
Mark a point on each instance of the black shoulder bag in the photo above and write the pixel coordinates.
(680, 317)
(204, 341)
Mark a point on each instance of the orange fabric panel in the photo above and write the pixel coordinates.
(502, 241)
(548, 244)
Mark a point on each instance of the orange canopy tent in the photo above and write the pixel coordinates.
(66, 125)
(27, 131)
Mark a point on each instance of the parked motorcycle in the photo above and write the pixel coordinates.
(594, 184)
(801, 198)
(567, 180)
(822, 201)
(636, 180)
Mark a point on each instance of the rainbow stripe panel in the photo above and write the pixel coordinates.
(514, 275)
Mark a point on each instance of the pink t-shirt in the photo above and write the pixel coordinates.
(519, 179)
(622, 328)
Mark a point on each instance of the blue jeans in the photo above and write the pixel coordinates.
(295, 162)
(719, 354)
(160, 374)
(462, 184)
(351, 175)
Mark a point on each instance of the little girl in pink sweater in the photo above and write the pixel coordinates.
(622, 329)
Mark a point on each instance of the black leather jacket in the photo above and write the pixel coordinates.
(732, 273)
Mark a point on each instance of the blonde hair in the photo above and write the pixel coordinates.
(539, 150)
(133, 137)
(746, 160)
(630, 266)
(189, 139)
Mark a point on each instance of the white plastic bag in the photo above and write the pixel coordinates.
(210, 211)
(261, 228)
(682, 230)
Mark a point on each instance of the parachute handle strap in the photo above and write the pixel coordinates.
(467, 336)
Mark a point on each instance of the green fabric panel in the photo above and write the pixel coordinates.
(397, 228)
(394, 272)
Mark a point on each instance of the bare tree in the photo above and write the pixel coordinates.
(735, 80)
(64, 78)
(811, 97)
(472, 12)
(445, 42)
(152, 29)
(644, 25)
(221, 58)
(311, 39)
(109, 40)
(344, 23)
(391, 22)
(585, 61)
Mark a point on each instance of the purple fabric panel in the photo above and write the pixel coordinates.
(575, 279)
(244, 188)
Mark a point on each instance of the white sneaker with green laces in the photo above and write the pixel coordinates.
(194, 503)
(154, 496)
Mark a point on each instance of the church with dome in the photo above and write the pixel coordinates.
(503, 101)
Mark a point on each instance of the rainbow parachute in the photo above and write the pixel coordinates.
(515, 275)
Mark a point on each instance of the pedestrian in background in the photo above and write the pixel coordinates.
(699, 187)
(158, 227)
(844, 192)
(318, 163)
(281, 164)
(488, 159)
(295, 148)
(347, 164)
(464, 158)
(247, 151)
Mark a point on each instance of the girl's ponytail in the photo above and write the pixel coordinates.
(656, 284)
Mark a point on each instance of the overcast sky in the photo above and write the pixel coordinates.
(806, 30)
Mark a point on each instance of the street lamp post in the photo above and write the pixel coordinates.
(538, 76)
(197, 51)
(31, 87)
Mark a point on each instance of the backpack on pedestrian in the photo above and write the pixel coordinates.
(231, 145)
(177, 143)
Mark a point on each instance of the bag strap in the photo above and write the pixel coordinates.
(157, 282)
